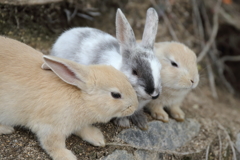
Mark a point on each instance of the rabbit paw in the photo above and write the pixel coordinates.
(92, 135)
(64, 154)
(159, 114)
(123, 122)
(6, 129)
(140, 120)
(54, 144)
(177, 113)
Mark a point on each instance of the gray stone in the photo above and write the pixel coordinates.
(161, 135)
(238, 142)
(119, 155)
(147, 155)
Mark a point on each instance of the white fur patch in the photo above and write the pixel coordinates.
(185, 49)
(156, 68)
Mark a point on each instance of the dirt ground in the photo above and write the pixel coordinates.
(219, 118)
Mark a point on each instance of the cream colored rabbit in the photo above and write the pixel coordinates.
(179, 76)
(55, 104)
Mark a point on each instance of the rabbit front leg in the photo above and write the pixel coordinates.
(139, 119)
(92, 135)
(156, 110)
(6, 129)
(54, 144)
(176, 112)
(122, 121)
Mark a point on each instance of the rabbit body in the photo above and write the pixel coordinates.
(136, 60)
(179, 76)
(55, 104)
(86, 46)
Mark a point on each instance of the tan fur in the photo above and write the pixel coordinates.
(176, 81)
(40, 100)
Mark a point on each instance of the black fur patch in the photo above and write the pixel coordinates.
(145, 74)
(126, 53)
(139, 119)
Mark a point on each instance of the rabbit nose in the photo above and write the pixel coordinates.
(155, 96)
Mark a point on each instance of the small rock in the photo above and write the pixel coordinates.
(119, 155)
(145, 155)
(195, 106)
(161, 135)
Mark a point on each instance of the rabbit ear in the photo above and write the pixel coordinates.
(68, 71)
(124, 31)
(45, 66)
(150, 30)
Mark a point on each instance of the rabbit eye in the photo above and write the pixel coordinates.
(134, 72)
(174, 64)
(116, 95)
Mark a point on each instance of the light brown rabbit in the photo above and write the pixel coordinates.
(179, 75)
(55, 104)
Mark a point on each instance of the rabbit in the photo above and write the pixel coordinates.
(59, 102)
(179, 76)
(136, 60)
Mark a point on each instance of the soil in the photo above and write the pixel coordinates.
(39, 26)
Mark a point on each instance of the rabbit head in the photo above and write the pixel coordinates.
(139, 62)
(179, 65)
(104, 85)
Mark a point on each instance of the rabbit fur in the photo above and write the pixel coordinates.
(179, 76)
(136, 60)
(55, 104)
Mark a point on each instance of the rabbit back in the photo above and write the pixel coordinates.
(86, 46)
(25, 89)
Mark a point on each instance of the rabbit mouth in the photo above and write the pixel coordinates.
(128, 111)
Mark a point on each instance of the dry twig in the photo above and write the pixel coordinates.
(229, 140)
(17, 21)
(166, 20)
(213, 34)
(213, 54)
(230, 58)
(207, 152)
(211, 79)
(207, 24)
(220, 146)
(69, 15)
(199, 24)
(29, 2)
(223, 79)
